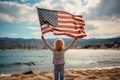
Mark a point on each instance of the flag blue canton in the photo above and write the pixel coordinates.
(48, 17)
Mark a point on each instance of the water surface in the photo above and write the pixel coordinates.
(19, 61)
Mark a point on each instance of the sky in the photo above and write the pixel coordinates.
(19, 19)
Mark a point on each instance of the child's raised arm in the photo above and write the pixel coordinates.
(72, 43)
(46, 44)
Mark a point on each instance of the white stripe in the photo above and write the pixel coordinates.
(67, 15)
(78, 17)
(44, 25)
(64, 17)
(49, 28)
(69, 24)
(72, 22)
(46, 29)
(69, 29)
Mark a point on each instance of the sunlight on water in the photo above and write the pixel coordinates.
(93, 58)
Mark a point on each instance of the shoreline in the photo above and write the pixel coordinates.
(66, 69)
(69, 49)
(112, 73)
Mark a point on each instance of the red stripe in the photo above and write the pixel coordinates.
(69, 17)
(78, 30)
(73, 22)
(70, 31)
(78, 16)
(70, 35)
(70, 27)
(63, 12)
(60, 21)
(47, 31)
(66, 17)
(45, 27)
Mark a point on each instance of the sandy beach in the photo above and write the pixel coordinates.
(89, 74)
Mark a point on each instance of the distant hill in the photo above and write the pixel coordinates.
(84, 42)
(20, 43)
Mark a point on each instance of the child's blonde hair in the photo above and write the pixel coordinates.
(59, 44)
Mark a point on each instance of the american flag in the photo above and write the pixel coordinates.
(61, 23)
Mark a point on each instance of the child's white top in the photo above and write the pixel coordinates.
(58, 56)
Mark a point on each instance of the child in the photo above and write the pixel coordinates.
(58, 56)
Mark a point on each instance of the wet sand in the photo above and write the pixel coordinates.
(89, 74)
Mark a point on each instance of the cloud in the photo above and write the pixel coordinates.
(13, 35)
(103, 20)
(6, 17)
(111, 9)
(37, 34)
(90, 27)
(22, 0)
(33, 28)
(103, 29)
(26, 13)
(19, 12)
(72, 6)
(105, 9)
(37, 31)
(89, 4)
(90, 9)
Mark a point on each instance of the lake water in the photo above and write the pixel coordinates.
(19, 61)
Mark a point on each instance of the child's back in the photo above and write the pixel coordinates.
(58, 56)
